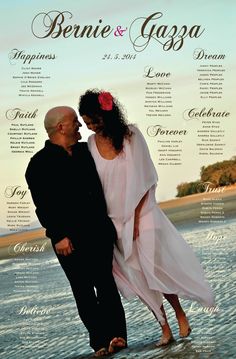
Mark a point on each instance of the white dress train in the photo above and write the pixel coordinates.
(159, 260)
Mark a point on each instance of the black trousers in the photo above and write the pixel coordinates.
(89, 271)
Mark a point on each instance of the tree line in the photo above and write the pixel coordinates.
(218, 174)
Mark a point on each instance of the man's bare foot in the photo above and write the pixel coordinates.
(117, 344)
(101, 353)
(184, 327)
(165, 340)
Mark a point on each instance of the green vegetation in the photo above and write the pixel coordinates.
(218, 174)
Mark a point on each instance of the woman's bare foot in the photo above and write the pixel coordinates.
(117, 344)
(167, 336)
(184, 327)
(165, 340)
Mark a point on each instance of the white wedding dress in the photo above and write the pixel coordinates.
(159, 260)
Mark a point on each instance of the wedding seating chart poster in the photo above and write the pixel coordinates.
(171, 64)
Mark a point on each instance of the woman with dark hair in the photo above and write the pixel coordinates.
(151, 258)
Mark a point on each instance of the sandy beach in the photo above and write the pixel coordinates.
(26, 236)
(222, 192)
(186, 210)
(181, 211)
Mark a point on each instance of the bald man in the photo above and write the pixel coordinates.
(70, 205)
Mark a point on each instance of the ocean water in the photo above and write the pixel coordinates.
(39, 318)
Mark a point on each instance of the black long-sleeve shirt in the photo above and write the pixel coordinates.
(67, 192)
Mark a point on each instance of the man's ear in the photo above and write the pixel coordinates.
(60, 128)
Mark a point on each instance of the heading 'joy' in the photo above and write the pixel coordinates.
(142, 30)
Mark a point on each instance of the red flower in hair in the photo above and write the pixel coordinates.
(106, 101)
